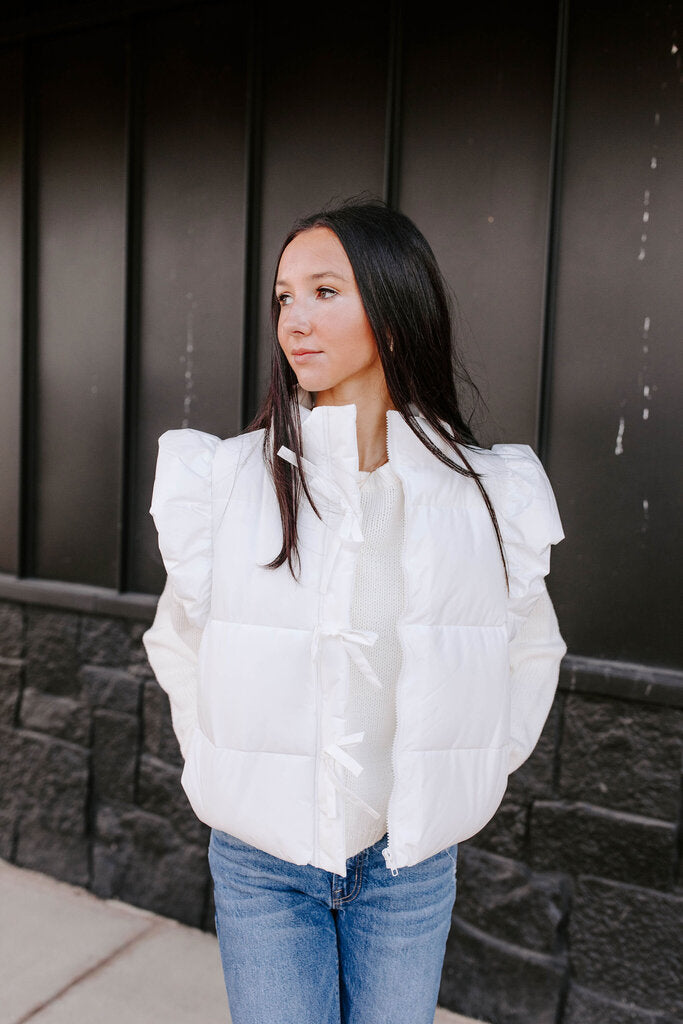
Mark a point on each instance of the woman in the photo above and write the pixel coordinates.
(378, 650)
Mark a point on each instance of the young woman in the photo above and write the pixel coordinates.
(355, 635)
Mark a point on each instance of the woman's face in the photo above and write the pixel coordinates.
(322, 327)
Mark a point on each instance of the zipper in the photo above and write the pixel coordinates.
(316, 783)
(386, 852)
(318, 711)
(389, 860)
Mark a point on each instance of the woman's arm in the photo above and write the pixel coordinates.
(172, 645)
(536, 650)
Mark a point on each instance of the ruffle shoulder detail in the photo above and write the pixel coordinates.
(182, 512)
(528, 519)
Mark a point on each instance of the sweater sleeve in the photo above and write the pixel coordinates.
(172, 646)
(536, 650)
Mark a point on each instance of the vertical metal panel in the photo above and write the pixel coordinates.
(128, 470)
(10, 305)
(252, 240)
(394, 112)
(553, 247)
(477, 107)
(81, 233)
(193, 227)
(615, 420)
(324, 123)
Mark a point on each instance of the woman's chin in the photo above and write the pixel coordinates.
(311, 381)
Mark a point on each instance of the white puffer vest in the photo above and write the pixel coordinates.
(265, 760)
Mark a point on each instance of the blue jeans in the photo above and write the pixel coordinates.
(301, 945)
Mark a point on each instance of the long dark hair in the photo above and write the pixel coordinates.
(407, 305)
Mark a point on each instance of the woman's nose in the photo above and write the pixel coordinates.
(296, 319)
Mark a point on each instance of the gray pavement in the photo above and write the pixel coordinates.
(67, 957)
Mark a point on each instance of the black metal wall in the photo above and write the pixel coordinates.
(153, 158)
(617, 376)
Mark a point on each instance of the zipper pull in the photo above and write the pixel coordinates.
(389, 861)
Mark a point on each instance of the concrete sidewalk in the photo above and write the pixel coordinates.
(67, 957)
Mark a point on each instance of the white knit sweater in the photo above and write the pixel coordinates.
(377, 605)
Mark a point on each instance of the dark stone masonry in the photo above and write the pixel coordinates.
(89, 765)
(570, 902)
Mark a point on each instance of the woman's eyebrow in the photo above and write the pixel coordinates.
(313, 277)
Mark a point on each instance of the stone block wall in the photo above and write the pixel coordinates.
(570, 902)
(89, 765)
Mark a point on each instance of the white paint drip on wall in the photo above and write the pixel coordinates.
(619, 446)
(646, 218)
(647, 395)
(188, 359)
(646, 414)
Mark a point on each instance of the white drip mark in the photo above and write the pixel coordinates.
(646, 414)
(646, 506)
(646, 326)
(653, 163)
(646, 391)
(188, 359)
(656, 120)
(619, 446)
(674, 49)
(646, 218)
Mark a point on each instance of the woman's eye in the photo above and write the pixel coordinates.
(284, 298)
(326, 293)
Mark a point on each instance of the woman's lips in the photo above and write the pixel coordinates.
(302, 357)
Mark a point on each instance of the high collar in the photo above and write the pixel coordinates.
(306, 400)
(330, 441)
